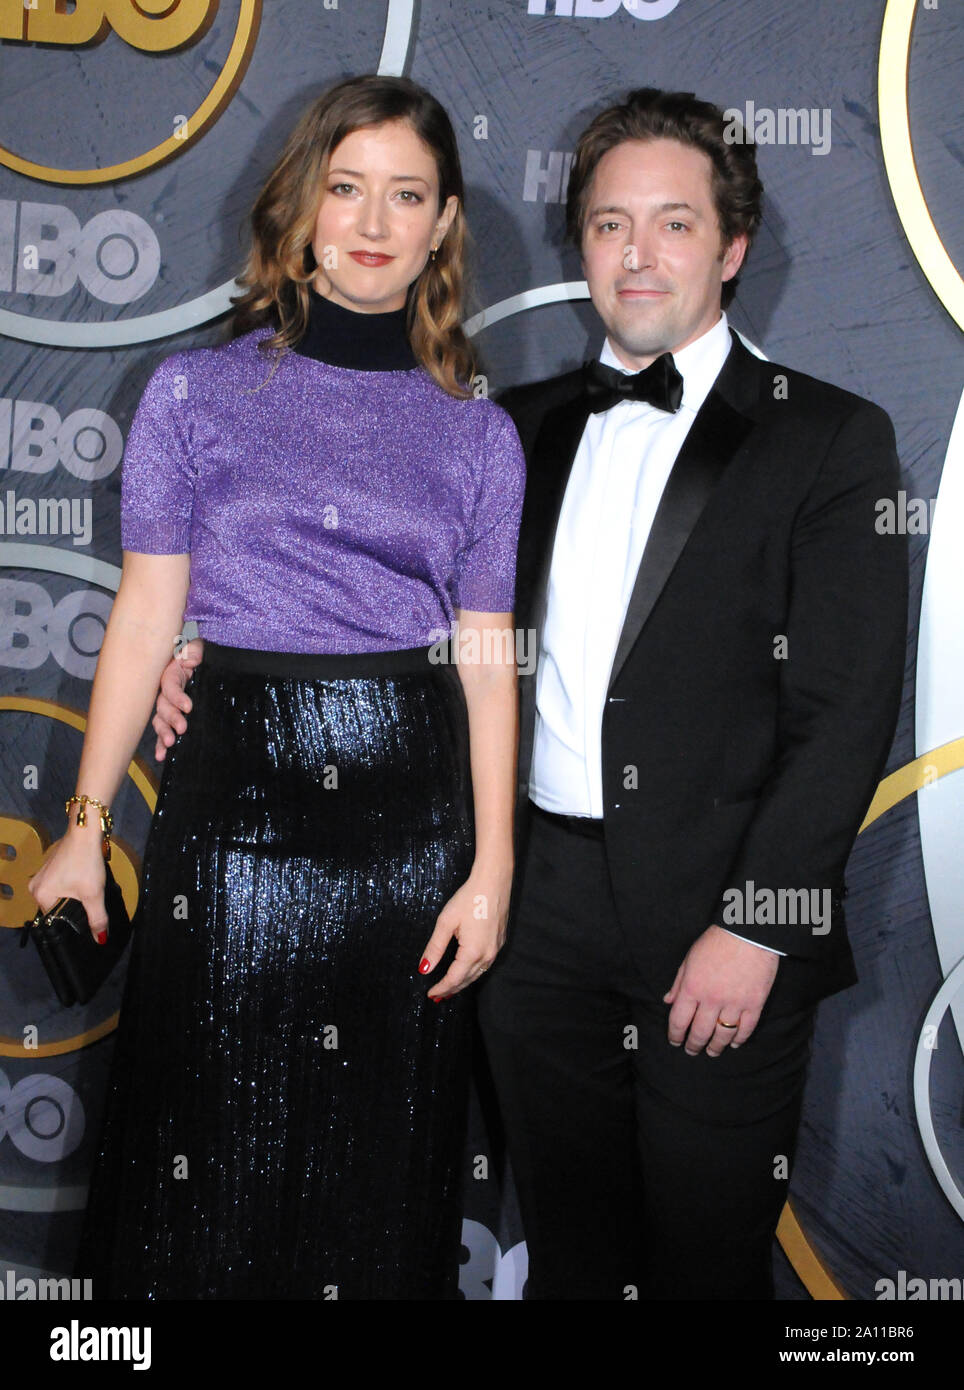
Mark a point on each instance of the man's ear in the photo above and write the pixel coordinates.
(734, 256)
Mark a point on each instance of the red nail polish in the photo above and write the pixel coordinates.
(424, 966)
(102, 938)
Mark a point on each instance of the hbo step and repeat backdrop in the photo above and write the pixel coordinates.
(133, 138)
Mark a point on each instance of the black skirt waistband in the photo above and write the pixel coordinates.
(329, 665)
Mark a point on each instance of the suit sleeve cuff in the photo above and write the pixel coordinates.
(772, 949)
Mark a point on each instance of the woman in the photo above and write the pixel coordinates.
(286, 1110)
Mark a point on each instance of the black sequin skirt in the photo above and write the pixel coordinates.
(286, 1110)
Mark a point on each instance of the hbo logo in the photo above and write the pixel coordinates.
(87, 442)
(602, 9)
(115, 255)
(42, 1116)
(33, 627)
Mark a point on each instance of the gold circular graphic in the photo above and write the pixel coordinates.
(912, 777)
(892, 79)
(228, 80)
(139, 775)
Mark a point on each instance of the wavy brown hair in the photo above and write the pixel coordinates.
(281, 262)
(651, 114)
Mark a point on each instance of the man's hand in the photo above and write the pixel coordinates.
(721, 978)
(168, 719)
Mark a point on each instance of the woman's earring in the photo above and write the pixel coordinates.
(431, 254)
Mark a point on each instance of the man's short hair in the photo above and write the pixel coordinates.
(651, 114)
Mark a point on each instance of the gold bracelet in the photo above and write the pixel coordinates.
(106, 820)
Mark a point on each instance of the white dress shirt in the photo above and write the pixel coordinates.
(621, 466)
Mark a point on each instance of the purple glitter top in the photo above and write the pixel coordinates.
(333, 510)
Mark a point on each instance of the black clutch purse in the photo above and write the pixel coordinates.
(77, 966)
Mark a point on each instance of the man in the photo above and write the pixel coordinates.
(722, 636)
(721, 640)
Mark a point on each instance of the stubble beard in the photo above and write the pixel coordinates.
(638, 337)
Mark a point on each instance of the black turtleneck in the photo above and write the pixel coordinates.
(348, 338)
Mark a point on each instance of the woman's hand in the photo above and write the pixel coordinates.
(74, 868)
(145, 617)
(476, 915)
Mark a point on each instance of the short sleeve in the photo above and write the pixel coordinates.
(157, 480)
(486, 572)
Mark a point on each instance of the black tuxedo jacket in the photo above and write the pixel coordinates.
(729, 757)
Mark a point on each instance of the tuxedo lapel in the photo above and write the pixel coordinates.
(720, 427)
(714, 437)
(549, 467)
(554, 454)
(711, 442)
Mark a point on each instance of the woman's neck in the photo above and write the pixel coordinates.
(349, 338)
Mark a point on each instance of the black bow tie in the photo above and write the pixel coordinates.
(660, 384)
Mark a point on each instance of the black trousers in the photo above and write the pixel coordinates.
(641, 1171)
